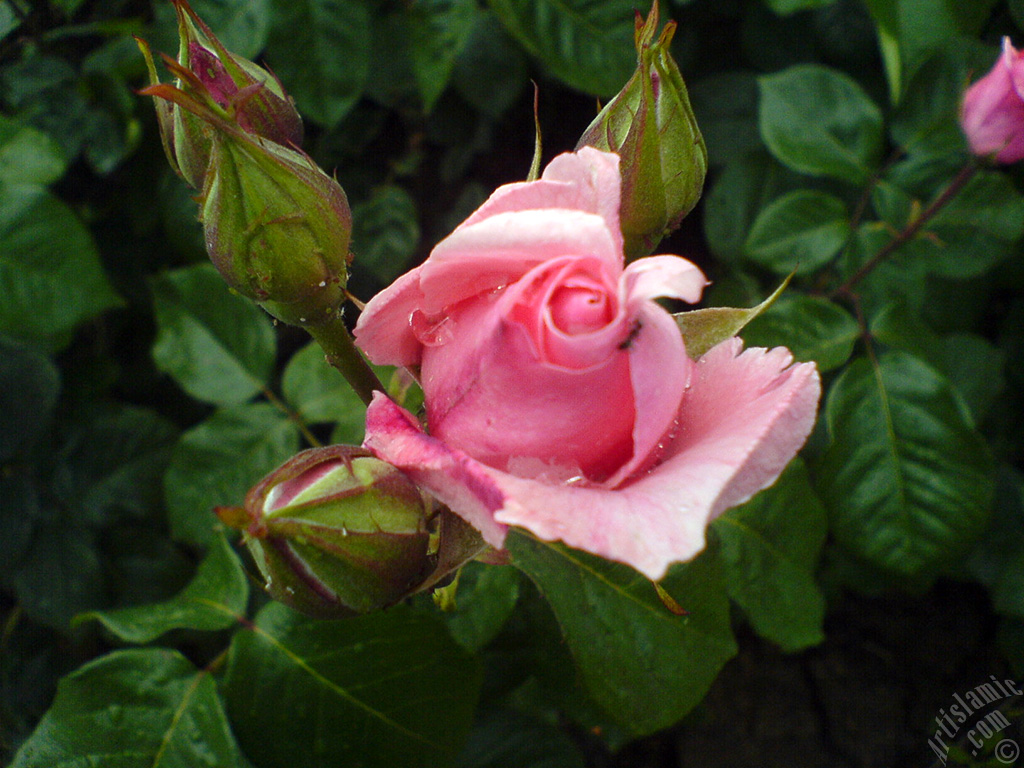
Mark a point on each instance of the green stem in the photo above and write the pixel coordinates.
(341, 353)
(293, 415)
(959, 181)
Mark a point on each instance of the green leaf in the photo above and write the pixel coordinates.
(977, 229)
(438, 30)
(786, 7)
(646, 666)
(241, 25)
(907, 482)
(60, 574)
(216, 462)
(491, 70)
(217, 345)
(814, 330)
(769, 551)
(799, 232)
(134, 709)
(820, 122)
(973, 365)
(321, 51)
(28, 156)
(587, 44)
(385, 233)
(319, 394)
(214, 599)
(704, 328)
(910, 30)
(998, 559)
(745, 187)
(725, 105)
(29, 385)
(511, 739)
(485, 598)
(113, 464)
(385, 689)
(50, 274)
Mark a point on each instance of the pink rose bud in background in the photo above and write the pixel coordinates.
(250, 95)
(559, 395)
(992, 115)
(651, 126)
(336, 532)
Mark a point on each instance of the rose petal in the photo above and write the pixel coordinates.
(587, 181)
(743, 419)
(504, 247)
(663, 276)
(383, 330)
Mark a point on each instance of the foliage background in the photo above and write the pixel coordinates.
(883, 574)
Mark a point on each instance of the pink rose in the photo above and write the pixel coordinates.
(559, 395)
(992, 114)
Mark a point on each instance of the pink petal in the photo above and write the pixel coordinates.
(587, 181)
(384, 331)
(502, 248)
(742, 420)
(664, 276)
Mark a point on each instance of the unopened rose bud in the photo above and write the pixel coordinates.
(336, 532)
(249, 95)
(651, 126)
(277, 228)
(992, 114)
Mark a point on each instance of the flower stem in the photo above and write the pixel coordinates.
(908, 232)
(341, 353)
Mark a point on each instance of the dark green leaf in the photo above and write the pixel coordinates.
(745, 187)
(799, 232)
(785, 7)
(438, 30)
(814, 329)
(214, 599)
(29, 385)
(385, 233)
(19, 513)
(216, 462)
(510, 739)
(28, 156)
(646, 666)
(318, 393)
(972, 364)
(704, 328)
(217, 345)
(907, 481)
(50, 275)
(976, 230)
(241, 25)
(491, 71)
(725, 105)
(484, 600)
(134, 709)
(60, 574)
(820, 122)
(114, 463)
(385, 689)
(997, 560)
(769, 551)
(321, 51)
(585, 44)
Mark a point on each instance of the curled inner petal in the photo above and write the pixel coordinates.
(579, 309)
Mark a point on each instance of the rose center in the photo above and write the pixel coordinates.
(577, 309)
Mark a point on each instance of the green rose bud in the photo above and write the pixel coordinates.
(249, 95)
(336, 532)
(277, 228)
(651, 126)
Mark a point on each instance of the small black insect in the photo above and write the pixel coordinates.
(633, 333)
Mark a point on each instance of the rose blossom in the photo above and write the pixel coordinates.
(992, 114)
(559, 396)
